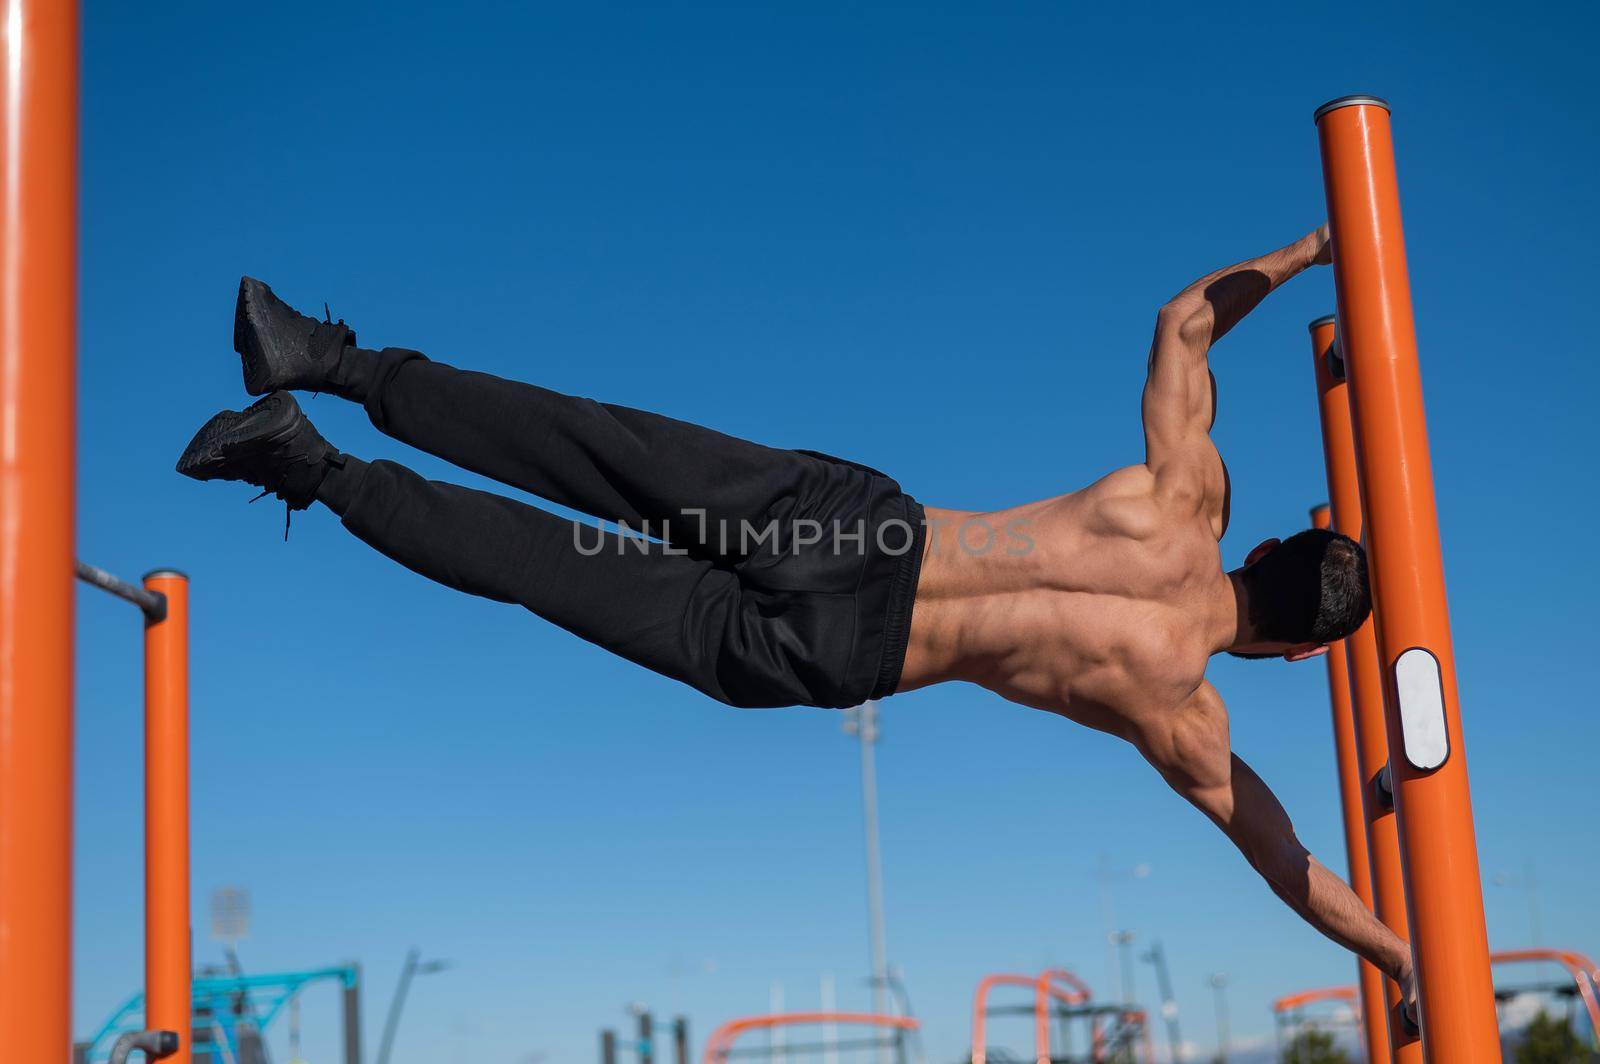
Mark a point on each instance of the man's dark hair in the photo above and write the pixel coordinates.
(1311, 588)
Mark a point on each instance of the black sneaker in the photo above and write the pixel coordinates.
(279, 346)
(270, 444)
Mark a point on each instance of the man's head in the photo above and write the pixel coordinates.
(1300, 594)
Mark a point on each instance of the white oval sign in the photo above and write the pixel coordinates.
(1422, 720)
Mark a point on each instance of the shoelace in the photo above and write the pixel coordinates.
(327, 318)
(288, 511)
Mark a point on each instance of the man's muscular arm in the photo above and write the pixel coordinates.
(1196, 761)
(1179, 397)
(1249, 813)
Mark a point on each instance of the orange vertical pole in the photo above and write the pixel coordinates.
(38, 241)
(1041, 1019)
(167, 939)
(1369, 978)
(1364, 691)
(980, 1019)
(1427, 755)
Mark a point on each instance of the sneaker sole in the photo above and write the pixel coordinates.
(219, 439)
(249, 320)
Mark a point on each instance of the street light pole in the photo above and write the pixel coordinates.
(1108, 917)
(1105, 875)
(1124, 939)
(1219, 987)
(1169, 1004)
(414, 966)
(863, 722)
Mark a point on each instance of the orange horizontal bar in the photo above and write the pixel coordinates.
(1347, 994)
(1580, 967)
(1583, 971)
(1057, 983)
(722, 1039)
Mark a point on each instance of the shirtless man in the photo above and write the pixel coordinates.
(767, 577)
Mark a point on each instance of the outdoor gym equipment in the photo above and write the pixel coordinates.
(230, 1012)
(38, 267)
(645, 1045)
(38, 205)
(1585, 979)
(1290, 1018)
(719, 1047)
(153, 1044)
(163, 600)
(1427, 763)
(1060, 996)
(1582, 985)
(1361, 741)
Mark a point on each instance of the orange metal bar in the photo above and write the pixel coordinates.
(1355, 828)
(1428, 759)
(38, 239)
(1581, 968)
(1044, 987)
(722, 1039)
(1350, 995)
(1057, 983)
(1147, 1049)
(1077, 991)
(1074, 992)
(167, 938)
(1584, 972)
(1086, 995)
(980, 1009)
(1363, 690)
(1289, 1002)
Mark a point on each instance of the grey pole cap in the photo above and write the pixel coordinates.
(153, 573)
(1349, 101)
(1326, 319)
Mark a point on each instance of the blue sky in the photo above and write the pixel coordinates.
(930, 237)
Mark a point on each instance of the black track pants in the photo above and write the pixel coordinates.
(770, 578)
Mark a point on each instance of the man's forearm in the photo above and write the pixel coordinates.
(1328, 904)
(1217, 301)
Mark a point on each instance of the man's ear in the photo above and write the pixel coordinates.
(1306, 651)
(1261, 550)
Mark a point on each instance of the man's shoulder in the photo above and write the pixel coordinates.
(1196, 482)
(1189, 744)
(1143, 502)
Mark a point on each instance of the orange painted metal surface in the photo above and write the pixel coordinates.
(1584, 972)
(1434, 805)
(722, 1039)
(1147, 1049)
(1373, 1005)
(1289, 1002)
(1363, 691)
(38, 240)
(980, 1011)
(1063, 986)
(1056, 984)
(1348, 995)
(167, 938)
(1581, 968)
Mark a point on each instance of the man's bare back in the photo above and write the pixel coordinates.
(1094, 620)
(1106, 604)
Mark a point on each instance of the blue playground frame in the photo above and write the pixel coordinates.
(223, 1004)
